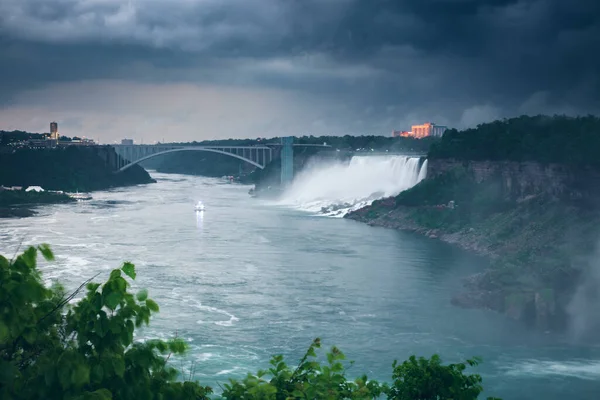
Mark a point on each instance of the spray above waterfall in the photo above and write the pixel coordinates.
(335, 188)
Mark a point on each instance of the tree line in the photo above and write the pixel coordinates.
(347, 142)
(8, 137)
(545, 139)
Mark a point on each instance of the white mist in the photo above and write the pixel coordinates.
(334, 188)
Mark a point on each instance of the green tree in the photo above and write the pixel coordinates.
(50, 350)
(428, 379)
(309, 380)
(558, 139)
(414, 379)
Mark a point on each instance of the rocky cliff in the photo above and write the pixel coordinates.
(522, 179)
(537, 223)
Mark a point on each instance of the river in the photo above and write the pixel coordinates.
(246, 279)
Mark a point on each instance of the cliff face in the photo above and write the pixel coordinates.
(523, 179)
(538, 224)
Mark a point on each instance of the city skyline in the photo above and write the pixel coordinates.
(202, 69)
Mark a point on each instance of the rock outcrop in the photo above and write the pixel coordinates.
(523, 179)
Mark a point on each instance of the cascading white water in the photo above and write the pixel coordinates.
(335, 188)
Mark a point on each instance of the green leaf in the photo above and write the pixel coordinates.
(115, 273)
(97, 373)
(112, 300)
(125, 337)
(119, 366)
(120, 283)
(99, 328)
(100, 394)
(151, 304)
(92, 287)
(64, 372)
(30, 336)
(129, 270)
(4, 332)
(29, 257)
(46, 252)
(80, 375)
(115, 325)
(49, 376)
(142, 295)
(3, 262)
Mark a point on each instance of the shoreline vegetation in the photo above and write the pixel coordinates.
(21, 204)
(54, 348)
(523, 192)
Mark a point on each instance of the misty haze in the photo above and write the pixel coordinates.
(265, 200)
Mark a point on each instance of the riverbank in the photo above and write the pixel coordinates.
(539, 244)
(16, 212)
(69, 169)
(20, 204)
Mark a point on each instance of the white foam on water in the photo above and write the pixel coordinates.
(582, 369)
(335, 188)
(214, 310)
(228, 371)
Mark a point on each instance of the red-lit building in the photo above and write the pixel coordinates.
(428, 129)
(421, 131)
(401, 133)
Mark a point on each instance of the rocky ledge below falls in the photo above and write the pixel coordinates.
(400, 218)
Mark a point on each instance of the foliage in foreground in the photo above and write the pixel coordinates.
(50, 349)
(414, 379)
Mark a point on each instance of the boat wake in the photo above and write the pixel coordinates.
(336, 188)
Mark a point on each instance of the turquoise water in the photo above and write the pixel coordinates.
(245, 280)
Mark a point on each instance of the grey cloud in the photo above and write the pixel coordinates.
(456, 60)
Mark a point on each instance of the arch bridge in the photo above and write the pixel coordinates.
(259, 155)
(130, 155)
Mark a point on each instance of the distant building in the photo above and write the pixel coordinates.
(79, 142)
(34, 189)
(53, 131)
(128, 142)
(42, 143)
(428, 129)
(401, 134)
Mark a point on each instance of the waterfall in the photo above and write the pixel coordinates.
(335, 188)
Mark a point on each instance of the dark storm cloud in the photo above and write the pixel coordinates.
(449, 57)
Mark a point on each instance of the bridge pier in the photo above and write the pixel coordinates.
(287, 160)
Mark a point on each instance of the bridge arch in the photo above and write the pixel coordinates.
(249, 161)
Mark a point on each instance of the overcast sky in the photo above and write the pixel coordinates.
(203, 69)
